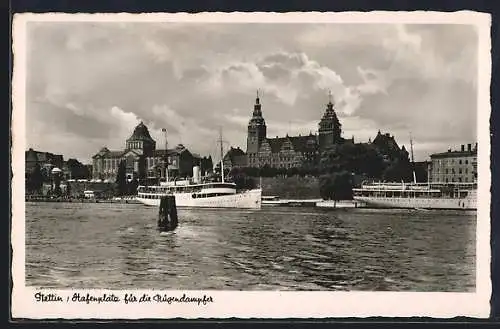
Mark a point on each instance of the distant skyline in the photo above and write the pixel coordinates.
(89, 84)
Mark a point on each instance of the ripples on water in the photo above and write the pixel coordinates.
(70, 245)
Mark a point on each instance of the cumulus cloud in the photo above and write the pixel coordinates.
(90, 83)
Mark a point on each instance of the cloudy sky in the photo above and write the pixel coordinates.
(89, 84)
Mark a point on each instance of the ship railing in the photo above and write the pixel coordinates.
(417, 186)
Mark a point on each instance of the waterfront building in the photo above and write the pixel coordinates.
(302, 150)
(458, 166)
(143, 160)
(388, 147)
(45, 160)
(290, 151)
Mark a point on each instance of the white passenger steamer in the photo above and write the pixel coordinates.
(435, 195)
(418, 195)
(191, 193)
(196, 193)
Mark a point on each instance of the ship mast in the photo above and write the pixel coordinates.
(412, 160)
(221, 156)
(166, 154)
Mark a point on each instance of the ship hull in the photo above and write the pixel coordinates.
(420, 203)
(245, 200)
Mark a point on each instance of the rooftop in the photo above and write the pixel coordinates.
(141, 132)
(465, 150)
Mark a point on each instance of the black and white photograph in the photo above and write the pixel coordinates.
(251, 165)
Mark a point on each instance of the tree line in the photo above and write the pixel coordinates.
(338, 169)
(122, 186)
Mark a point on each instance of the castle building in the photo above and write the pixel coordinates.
(142, 159)
(290, 151)
(458, 166)
(304, 150)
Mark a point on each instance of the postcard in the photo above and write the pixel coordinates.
(251, 165)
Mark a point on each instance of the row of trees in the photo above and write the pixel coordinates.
(336, 186)
(366, 160)
(332, 186)
(337, 169)
(241, 178)
(77, 169)
(360, 159)
(36, 178)
(122, 185)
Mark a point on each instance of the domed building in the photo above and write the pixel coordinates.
(142, 159)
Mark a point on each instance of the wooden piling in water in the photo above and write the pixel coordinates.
(167, 216)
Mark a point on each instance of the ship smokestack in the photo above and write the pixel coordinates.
(469, 147)
(196, 175)
(463, 147)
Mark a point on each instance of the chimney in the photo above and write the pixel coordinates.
(469, 147)
(463, 148)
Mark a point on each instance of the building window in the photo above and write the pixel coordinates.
(466, 161)
(459, 161)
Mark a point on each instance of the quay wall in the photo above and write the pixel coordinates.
(290, 187)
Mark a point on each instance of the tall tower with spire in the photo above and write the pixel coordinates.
(330, 129)
(256, 132)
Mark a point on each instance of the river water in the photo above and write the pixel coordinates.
(117, 246)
